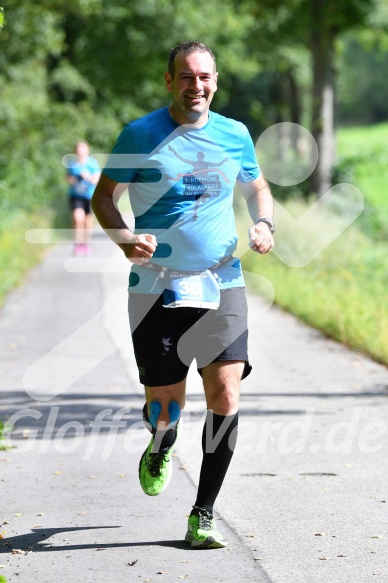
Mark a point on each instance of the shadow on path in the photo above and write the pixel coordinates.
(32, 542)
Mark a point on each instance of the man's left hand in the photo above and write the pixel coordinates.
(260, 238)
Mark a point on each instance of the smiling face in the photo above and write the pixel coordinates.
(192, 87)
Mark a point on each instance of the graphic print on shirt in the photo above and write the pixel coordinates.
(204, 181)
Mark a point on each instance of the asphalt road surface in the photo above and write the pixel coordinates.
(305, 499)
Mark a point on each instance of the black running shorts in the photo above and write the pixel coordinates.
(79, 202)
(167, 340)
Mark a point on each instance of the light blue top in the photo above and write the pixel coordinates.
(82, 188)
(181, 190)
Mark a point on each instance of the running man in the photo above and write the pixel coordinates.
(186, 290)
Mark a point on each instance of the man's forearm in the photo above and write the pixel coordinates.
(260, 204)
(111, 220)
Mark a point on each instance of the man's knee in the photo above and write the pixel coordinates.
(151, 419)
(222, 386)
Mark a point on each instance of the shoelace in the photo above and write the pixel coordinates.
(155, 460)
(205, 519)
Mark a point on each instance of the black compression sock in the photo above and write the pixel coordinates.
(218, 442)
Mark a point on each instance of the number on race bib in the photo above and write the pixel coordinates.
(190, 288)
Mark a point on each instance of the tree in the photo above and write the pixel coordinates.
(328, 20)
(316, 25)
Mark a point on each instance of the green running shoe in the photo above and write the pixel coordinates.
(202, 532)
(155, 469)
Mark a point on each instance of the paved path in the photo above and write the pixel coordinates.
(305, 499)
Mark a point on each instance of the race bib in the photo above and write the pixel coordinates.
(194, 290)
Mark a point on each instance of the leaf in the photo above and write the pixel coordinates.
(320, 534)
(377, 536)
(56, 473)
(18, 552)
(121, 475)
(185, 561)
(18, 514)
(40, 514)
(7, 522)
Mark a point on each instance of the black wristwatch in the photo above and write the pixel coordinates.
(268, 222)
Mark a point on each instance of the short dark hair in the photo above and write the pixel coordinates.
(187, 47)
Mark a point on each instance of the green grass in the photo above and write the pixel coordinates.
(16, 255)
(3, 429)
(341, 292)
(363, 161)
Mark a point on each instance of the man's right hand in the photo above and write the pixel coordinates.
(141, 249)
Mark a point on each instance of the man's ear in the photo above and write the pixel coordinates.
(168, 80)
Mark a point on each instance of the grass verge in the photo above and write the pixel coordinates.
(341, 292)
(3, 429)
(17, 256)
(363, 161)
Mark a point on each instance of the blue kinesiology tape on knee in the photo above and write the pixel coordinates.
(174, 412)
(155, 409)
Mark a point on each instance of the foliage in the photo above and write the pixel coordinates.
(82, 70)
(342, 292)
(363, 161)
(17, 256)
(369, 104)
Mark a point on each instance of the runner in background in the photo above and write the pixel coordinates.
(82, 175)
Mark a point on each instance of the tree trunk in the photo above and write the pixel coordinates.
(322, 53)
(295, 109)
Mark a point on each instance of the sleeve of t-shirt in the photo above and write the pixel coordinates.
(120, 165)
(250, 168)
(94, 166)
(73, 168)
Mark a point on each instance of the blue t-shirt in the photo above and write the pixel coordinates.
(181, 182)
(82, 188)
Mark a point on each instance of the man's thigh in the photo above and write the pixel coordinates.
(222, 335)
(166, 340)
(156, 332)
